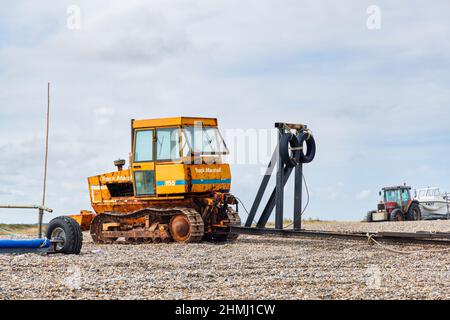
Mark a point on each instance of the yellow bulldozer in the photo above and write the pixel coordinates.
(176, 187)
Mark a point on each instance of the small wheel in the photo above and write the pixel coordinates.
(369, 217)
(396, 215)
(180, 228)
(67, 234)
(414, 213)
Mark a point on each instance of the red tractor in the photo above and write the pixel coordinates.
(396, 205)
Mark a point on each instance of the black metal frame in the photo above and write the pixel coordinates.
(276, 199)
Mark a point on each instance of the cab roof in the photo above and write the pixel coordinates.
(396, 188)
(173, 122)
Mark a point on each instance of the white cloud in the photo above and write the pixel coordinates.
(363, 194)
(103, 115)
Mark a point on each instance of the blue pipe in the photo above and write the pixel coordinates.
(25, 244)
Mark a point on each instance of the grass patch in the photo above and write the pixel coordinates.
(6, 229)
(289, 222)
(313, 220)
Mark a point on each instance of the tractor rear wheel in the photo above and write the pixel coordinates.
(396, 215)
(414, 213)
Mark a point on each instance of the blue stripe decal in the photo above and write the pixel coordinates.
(162, 183)
(210, 181)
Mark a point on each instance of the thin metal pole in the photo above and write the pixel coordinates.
(44, 188)
(41, 218)
(14, 206)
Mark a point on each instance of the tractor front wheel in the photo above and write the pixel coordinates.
(414, 213)
(369, 217)
(396, 215)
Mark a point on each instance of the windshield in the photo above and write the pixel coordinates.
(392, 196)
(203, 140)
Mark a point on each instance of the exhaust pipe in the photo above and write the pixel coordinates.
(119, 164)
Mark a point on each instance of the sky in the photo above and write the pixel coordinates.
(376, 98)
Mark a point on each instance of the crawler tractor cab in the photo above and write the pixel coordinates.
(176, 187)
(396, 205)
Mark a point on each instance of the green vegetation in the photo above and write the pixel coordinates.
(6, 229)
(290, 222)
(313, 220)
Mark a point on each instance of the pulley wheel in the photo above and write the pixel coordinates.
(308, 138)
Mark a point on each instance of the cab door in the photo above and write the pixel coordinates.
(143, 168)
(406, 199)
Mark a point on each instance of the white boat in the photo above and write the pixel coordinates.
(433, 203)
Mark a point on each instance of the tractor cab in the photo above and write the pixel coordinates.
(396, 197)
(178, 156)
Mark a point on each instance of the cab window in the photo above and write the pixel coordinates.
(392, 196)
(145, 182)
(167, 144)
(144, 146)
(203, 140)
